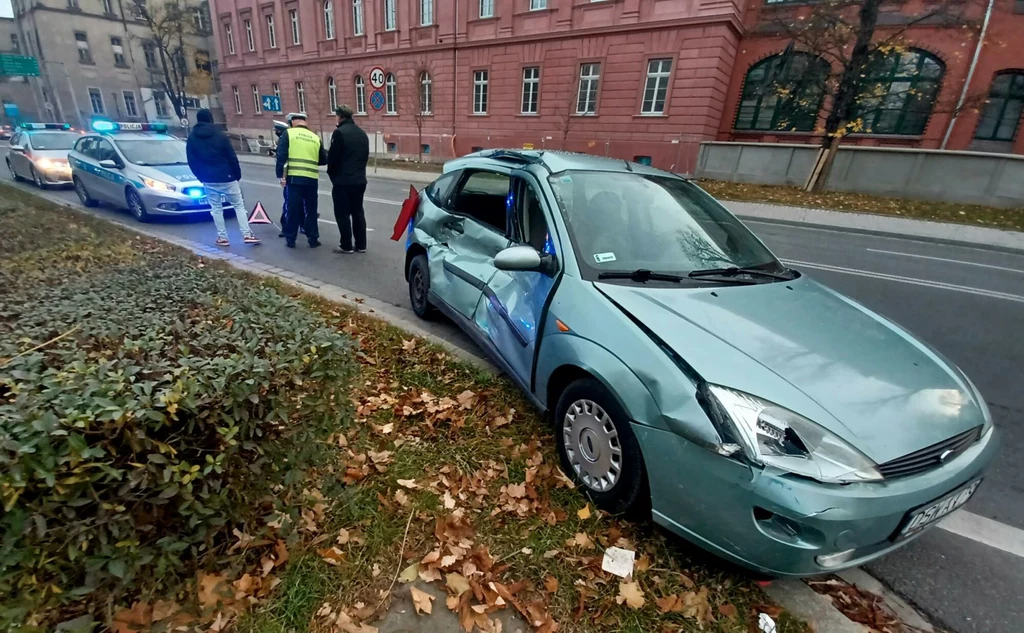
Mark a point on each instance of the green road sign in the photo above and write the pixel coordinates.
(18, 65)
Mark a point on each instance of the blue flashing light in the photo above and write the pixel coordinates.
(194, 192)
(46, 126)
(112, 126)
(104, 126)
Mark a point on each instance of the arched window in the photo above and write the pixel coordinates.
(360, 95)
(391, 94)
(1000, 116)
(332, 94)
(426, 93)
(783, 93)
(328, 20)
(898, 93)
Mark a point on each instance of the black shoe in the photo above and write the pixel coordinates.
(281, 234)
(314, 244)
(290, 244)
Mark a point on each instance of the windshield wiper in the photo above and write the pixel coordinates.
(733, 271)
(641, 274)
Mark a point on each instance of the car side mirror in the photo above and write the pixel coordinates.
(17, 148)
(524, 258)
(110, 164)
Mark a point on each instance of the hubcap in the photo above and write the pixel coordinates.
(418, 287)
(135, 204)
(592, 445)
(80, 189)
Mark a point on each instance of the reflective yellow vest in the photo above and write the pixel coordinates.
(303, 153)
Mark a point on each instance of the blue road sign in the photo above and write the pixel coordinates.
(271, 103)
(377, 99)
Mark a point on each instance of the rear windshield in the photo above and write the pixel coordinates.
(54, 140)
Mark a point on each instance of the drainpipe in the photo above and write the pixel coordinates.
(970, 74)
(455, 71)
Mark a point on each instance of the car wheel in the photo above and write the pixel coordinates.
(419, 288)
(83, 193)
(36, 178)
(135, 205)
(598, 448)
(14, 174)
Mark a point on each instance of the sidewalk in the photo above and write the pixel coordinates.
(388, 173)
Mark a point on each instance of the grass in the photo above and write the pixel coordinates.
(476, 478)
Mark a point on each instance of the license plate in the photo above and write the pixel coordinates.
(927, 515)
(202, 201)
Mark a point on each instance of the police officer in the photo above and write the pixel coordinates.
(301, 150)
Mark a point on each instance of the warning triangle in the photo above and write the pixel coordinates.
(259, 215)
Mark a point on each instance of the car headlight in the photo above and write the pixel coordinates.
(157, 184)
(771, 435)
(45, 163)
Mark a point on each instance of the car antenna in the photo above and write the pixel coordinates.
(628, 167)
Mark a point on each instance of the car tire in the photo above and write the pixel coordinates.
(598, 449)
(419, 288)
(136, 205)
(83, 193)
(37, 179)
(14, 174)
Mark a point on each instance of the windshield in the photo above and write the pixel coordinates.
(54, 140)
(628, 221)
(153, 151)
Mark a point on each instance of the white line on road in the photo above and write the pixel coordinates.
(985, 530)
(910, 280)
(943, 259)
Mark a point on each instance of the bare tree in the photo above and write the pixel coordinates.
(565, 113)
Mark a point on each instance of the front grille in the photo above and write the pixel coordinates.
(930, 457)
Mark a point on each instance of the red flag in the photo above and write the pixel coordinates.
(409, 207)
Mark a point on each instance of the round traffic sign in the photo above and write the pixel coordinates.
(377, 77)
(377, 99)
(184, 122)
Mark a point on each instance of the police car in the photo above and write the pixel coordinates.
(139, 166)
(39, 152)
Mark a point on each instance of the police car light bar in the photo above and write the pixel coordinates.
(46, 126)
(114, 126)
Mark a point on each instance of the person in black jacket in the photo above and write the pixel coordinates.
(215, 164)
(346, 167)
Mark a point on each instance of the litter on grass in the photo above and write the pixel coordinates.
(618, 561)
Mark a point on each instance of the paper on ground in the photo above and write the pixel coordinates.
(765, 623)
(618, 561)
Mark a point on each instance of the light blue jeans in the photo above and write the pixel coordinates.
(233, 192)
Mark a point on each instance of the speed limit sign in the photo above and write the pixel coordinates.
(377, 77)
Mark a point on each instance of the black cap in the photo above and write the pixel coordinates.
(204, 116)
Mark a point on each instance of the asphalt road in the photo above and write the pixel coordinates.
(966, 302)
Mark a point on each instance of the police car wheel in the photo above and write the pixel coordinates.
(136, 206)
(83, 193)
(14, 174)
(419, 288)
(36, 178)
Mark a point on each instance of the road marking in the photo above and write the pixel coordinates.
(910, 280)
(985, 530)
(943, 259)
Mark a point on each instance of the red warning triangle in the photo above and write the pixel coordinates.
(259, 215)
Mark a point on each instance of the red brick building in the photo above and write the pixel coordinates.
(629, 78)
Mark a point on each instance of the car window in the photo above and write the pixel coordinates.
(84, 146)
(53, 140)
(438, 190)
(531, 225)
(483, 196)
(103, 150)
(15, 138)
(156, 151)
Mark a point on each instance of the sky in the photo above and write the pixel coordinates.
(5, 9)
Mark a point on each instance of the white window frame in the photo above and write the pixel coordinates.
(538, 5)
(390, 94)
(426, 12)
(360, 94)
(661, 78)
(229, 35)
(277, 91)
(238, 99)
(486, 8)
(358, 24)
(531, 87)
(590, 76)
(271, 31)
(257, 105)
(390, 15)
(108, 7)
(135, 103)
(329, 19)
(118, 50)
(426, 93)
(160, 104)
(250, 38)
(293, 19)
(332, 93)
(300, 95)
(103, 106)
(481, 78)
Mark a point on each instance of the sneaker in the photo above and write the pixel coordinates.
(360, 250)
(251, 239)
(343, 251)
(314, 244)
(222, 241)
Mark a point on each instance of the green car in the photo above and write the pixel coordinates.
(756, 412)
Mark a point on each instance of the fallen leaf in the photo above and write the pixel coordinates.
(584, 512)
(551, 584)
(467, 399)
(213, 588)
(281, 549)
(631, 594)
(135, 619)
(408, 483)
(499, 422)
(449, 500)
(421, 600)
(376, 570)
(728, 610)
(581, 540)
(401, 498)
(668, 603)
(408, 345)
(332, 555)
(342, 440)
(164, 609)
(343, 537)
(409, 574)
(457, 583)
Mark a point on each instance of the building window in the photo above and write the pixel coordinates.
(659, 71)
(293, 17)
(15, 43)
(898, 93)
(360, 95)
(782, 93)
(202, 61)
(531, 90)
(149, 53)
(332, 94)
(357, 17)
(238, 99)
(84, 54)
(160, 104)
(1000, 116)
(250, 41)
(108, 7)
(480, 92)
(271, 31)
(426, 12)
(229, 35)
(390, 15)
(277, 92)
(96, 100)
(118, 48)
(329, 20)
(487, 8)
(391, 94)
(1019, 6)
(131, 108)
(392, 148)
(586, 98)
(300, 93)
(426, 93)
(257, 107)
(200, 18)
(537, 5)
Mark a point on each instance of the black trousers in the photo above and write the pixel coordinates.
(302, 201)
(348, 213)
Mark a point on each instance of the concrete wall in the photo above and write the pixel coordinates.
(971, 177)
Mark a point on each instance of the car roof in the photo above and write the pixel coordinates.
(550, 161)
(137, 136)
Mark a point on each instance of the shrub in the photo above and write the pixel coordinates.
(127, 446)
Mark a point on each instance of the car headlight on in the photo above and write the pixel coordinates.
(45, 163)
(157, 184)
(771, 435)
